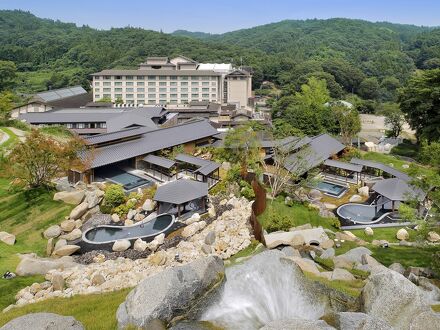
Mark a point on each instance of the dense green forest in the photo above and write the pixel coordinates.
(366, 63)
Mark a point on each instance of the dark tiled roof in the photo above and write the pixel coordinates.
(205, 166)
(153, 141)
(108, 137)
(343, 165)
(181, 191)
(397, 189)
(382, 167)
(159, 161)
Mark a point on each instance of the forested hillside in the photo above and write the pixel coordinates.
(371, 60)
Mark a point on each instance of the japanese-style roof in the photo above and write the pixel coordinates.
(159, 161)
(343, 165)
(153, 141)
(397, 189)
(58, 94)
(205, 166)
(114, 136)
(382, 167)
(181, 191)
(312, 154)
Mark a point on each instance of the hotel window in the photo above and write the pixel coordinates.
(213, 83)
(129, 96)
(129, 89)
(96, 83)
(195, 96)
(173, 89)
(183, 78)
(140, 78)
(161, 90)
(140, 83)
(173, 83)
(128, 83)
(162, 101)
(162, 77)
(163, 95)
(194, 89)
(213, 95)
(118, 89)
(195, 78)
(213, 89)
(184, 83)
(140, 96)
(107, 95)
(205, 78)
(205, 83)
(173, 95)
(107, 77)
(151, 83)
(140, 89)
(205, 95)
(97, 90)
(184, 89)
(184, 101)
(151, 96)
(173, 77)
(118, 83)
(205, 89)
(163, 83)
(107, 83)
(141, 101)
(151, 101)
(151, 77)
(107, 89)
(152, 89)
(97, 96)
(118, 77)
(81, 125)
(183, 95)
(103, 125)
(129, 78)
(118, 96)
(69, 125)
(195, 83)
(173, 101)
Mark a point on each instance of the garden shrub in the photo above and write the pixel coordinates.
(246, 190)
(278, 222)
(114, 195)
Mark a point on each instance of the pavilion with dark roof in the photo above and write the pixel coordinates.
(181, 197)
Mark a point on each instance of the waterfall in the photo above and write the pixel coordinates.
(261, 290)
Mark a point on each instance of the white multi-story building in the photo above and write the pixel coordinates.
(161, 81)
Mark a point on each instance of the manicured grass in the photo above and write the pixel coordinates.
(9, 288)
(406, 255)
(26, 214)
(406, 149)
(95, 312)
(13, 139)
(298, 214)
(388, 234)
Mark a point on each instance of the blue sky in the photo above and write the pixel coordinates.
(223, 15)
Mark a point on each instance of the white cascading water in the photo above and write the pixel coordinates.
(261, 290)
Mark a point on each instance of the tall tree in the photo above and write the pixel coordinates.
(394, 118)
(7, 74)
(420, 102)
(349, 122)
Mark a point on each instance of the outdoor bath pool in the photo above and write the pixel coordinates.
(361, 213)
(127, 180)
(108, 234)
(331, 189)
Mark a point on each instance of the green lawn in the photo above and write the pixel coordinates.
(406, 149)
(297, 214)
(406, 255)
(95, 312)
(26, 214)
(13, 139)
(388, 234)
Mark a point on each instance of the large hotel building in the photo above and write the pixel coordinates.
(161, 81)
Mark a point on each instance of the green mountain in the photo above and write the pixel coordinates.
(351, 55)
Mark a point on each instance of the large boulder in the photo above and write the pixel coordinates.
(297, 324)
(73, 235)
(340, 274)
(170, 293)
(355, 199)
(296, 237)
(30, 264)
(368, 231)
(70, 197)
(148, 205)
(355, 255)
(52, 232)
(121, 245)
(94, 197)
(66, 250)
(397, 267)
(390, 296)
(193, 228)
(402, 234)
(315, 194)
(426, 319)
(140, 245)
(433, 236)
(79, 211)
(364, 191)
(67, 225)
(7, 238)
(359, 321)
(43, 321)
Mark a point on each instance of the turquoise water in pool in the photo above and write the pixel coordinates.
(331, 188)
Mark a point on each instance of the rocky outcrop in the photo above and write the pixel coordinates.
(355, 199)
(43, 321)
(295, 237)
(79, 211)
(358, 321)
(402, 234)
(121, 245)
(171, 293)
(7, 238)
(30, 264)
(297, 324)
(52, 232)
(66, 250)
(70, 197)
(388, 295)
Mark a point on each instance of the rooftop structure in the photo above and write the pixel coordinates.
(177, 81)
(381, 167)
